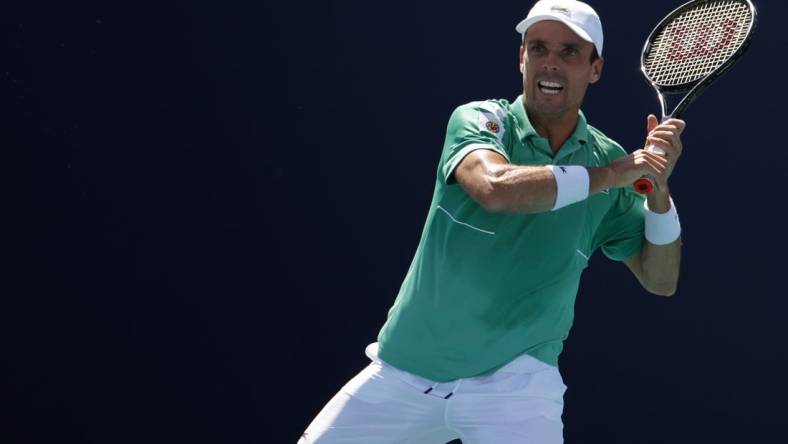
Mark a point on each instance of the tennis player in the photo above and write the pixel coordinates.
(525, 193)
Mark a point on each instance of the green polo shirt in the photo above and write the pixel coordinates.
(484, 288)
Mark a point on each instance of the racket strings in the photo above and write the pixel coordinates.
(697, 42)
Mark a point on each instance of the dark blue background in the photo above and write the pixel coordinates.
(211, 208)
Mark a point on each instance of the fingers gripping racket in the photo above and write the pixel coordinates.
(689, 49)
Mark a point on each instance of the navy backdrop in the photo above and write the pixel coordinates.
(212, 207)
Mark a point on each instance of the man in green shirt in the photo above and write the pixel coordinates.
(526, 191)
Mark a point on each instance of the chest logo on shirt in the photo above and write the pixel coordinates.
(492, 126)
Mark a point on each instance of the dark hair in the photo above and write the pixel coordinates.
(594, 55)
(592, 59)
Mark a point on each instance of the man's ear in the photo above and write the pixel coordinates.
(596, 70)
(522, 59)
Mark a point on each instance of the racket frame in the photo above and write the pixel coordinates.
(695, 87)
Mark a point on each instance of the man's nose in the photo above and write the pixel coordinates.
(550, 66)
(550, 63)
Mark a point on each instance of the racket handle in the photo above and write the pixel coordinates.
(646, 184)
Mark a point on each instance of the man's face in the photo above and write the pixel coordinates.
(556, 67)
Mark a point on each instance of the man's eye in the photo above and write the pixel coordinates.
(570, 51)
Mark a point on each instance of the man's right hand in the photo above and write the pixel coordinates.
(627, 170)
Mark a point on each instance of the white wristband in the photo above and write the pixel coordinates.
(662, 229)
(572, 184)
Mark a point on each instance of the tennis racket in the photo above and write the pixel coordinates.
(690, 49)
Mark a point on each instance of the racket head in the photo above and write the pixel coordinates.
(696, 43)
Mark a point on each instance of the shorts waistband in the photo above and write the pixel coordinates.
(521, 364)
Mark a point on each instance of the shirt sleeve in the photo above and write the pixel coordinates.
(474, 126)
(621, 233)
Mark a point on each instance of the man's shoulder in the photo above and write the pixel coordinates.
(491, 115)
(495, 106)
(483, 116)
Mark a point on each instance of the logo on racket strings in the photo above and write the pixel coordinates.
(689, 42)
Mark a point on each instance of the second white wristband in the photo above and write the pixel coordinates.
(662, 229)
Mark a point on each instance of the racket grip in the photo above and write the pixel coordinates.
(646, 184)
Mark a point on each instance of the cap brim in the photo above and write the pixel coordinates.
(525, 24)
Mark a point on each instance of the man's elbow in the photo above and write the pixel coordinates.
(497, 196)
(491, 203)
(666, 289)
(489, 196)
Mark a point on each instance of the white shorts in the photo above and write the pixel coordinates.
(521, 402)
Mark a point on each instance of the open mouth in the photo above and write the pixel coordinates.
(549, 87)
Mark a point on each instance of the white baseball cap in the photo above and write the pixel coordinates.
(578, 16)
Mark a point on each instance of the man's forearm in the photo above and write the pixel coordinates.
(529, 189)
(660, 263)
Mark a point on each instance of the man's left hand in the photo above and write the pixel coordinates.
(667, 136)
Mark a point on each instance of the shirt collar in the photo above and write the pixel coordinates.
(578, 137)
